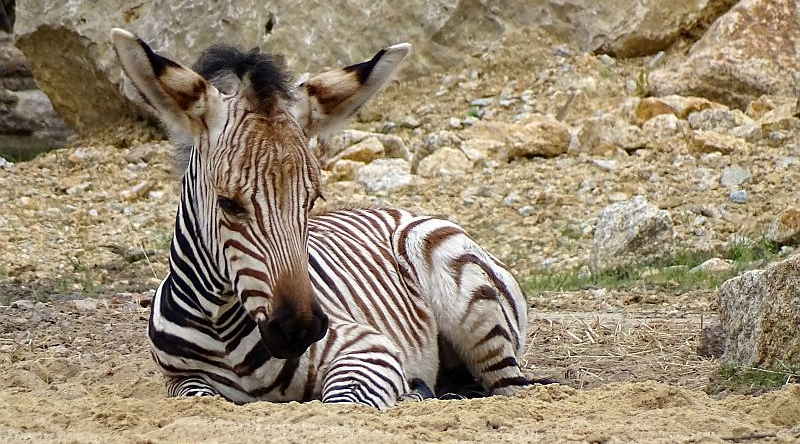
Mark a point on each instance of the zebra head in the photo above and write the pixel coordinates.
(250, 179)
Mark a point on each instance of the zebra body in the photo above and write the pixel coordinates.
(375, 275)
(264, 301)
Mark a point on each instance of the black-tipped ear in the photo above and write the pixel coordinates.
(180, 96)
(327, 100)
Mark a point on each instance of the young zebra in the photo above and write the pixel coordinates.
(263, 301)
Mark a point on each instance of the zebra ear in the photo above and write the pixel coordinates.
(327, 100)
(179, 95)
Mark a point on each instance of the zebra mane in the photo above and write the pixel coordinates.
(260, 78)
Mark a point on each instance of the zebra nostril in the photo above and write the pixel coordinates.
(286, 337)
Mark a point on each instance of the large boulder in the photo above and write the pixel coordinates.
(760, 314)
(67, 43)
(28, 123)
(624, 28)
(749, 51)
(630, 233)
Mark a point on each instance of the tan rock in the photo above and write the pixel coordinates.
(607, 134)
(444, 161)
(650, 107)
(749, 51)
(785, 106)
(364, 151)
(685, 105)
(712, 141)
(714, 265)
(345, 169)
(785, 229)
(540, 137)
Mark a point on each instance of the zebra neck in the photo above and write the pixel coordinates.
(195, 275)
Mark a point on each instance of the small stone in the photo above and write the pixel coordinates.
(526, 210)
(93, 213)
(408, 121)
(650, 107)
(22, 304)
(86, 304)
(345, 169)
(142, 153)
(606, 165)
(711, 141)
(385, 175)
(454, 122)
(482, 102)
(470, 120)
(713, 266)
(137, 191)
(738, 196)
(444, 161)
(734, 175)
(364, 151)
(5, 164)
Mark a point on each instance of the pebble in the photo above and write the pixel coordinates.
(409, 121)
(714, 265)
(23, 304)
(5, 164)
(734, 175)
(738, 196)
(606, 165)
(526, 210)
(482, 102)
(454, 122)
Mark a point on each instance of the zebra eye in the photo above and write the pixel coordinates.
(230, 206)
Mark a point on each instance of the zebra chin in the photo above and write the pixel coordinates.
(287, 336)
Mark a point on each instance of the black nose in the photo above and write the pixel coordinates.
(287, 336)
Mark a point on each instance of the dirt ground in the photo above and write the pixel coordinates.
(81, 373)
(84, 235)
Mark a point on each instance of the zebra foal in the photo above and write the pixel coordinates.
(263, 301)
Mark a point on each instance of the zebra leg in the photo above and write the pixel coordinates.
(367, 370)
(419, 391)
(479, 307)
(188, 386)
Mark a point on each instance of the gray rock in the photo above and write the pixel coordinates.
(22, 304)
(630, 232)
(734, 175)
(749, 51)
(409, 122)
(384, 175)
(738, 196)
(760, 314)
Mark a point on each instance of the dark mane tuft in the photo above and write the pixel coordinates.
(262, 75)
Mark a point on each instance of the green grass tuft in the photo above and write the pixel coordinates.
(748, 380)
(671, 273)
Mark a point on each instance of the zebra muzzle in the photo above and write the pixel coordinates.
(287, 335)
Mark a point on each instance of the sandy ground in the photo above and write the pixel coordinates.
(80, 372)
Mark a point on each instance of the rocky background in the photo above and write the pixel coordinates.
(576, 139)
